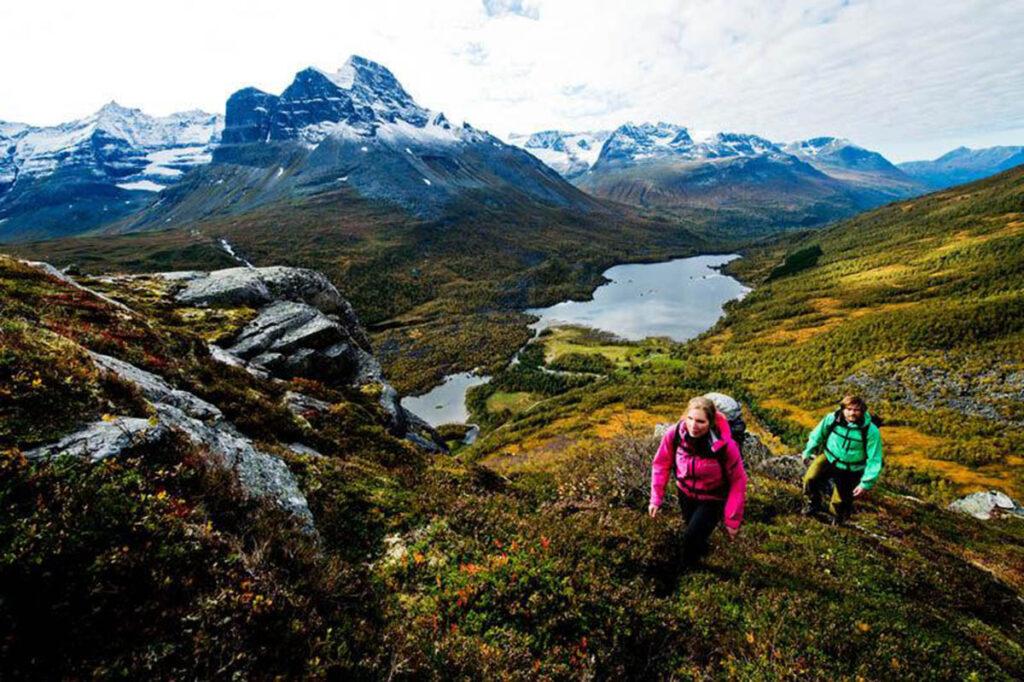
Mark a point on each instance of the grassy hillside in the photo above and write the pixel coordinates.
(918, 307)
(537, 566)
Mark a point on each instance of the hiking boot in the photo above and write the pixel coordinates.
(811, 509)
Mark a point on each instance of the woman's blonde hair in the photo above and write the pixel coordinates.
(705, 404)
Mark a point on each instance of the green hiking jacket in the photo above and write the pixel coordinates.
(845, 449)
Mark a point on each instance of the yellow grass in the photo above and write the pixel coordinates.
(558, 442)
(801, 416)
(880, 274)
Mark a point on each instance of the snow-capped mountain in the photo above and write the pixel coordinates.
(661, 165)
(73, 176)
(630, 143)
(859, 167)
(355, 130)
(570, 154)
(119, 143)
(750, 179)
(963, 165)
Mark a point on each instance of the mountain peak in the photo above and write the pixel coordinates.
(113, 110)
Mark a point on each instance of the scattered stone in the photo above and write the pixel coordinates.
(984, 394)
(784, 467)
(986, 505)
(301, 449)
(303, 405)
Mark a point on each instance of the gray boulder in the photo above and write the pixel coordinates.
(256, 287)
(260, 474)
(103, 439)
(290, 339)
(986, 505)
(784, 467)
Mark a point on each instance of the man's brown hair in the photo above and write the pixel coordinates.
(850, 400)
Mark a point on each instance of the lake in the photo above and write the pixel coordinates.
(680, 299)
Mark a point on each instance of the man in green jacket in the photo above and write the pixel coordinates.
(851, 457)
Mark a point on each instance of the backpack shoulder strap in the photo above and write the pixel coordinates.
(676, 440)
(836, 416)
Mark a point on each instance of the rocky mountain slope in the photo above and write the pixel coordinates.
(76, 176)
(963, 165)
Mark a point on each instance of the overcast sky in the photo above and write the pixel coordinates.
(909, 79)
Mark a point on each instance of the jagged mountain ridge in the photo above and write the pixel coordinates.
(70, 177)
(661, 166)
(327, 133)
(355, 131)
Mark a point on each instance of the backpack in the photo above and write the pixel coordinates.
(863, 428)
(733, 412)
(719, 456)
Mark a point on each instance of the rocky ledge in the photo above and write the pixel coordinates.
(303, 328)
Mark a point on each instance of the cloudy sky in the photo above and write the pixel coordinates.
(910, 79)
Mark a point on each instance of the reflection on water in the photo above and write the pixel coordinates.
(445, 404)
(679, 299)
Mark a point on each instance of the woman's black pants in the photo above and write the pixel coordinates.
(701, 518)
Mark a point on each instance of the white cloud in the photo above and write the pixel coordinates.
(907, 78)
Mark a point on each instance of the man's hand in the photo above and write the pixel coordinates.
(858, 491)
(653, 511)
(733, 532)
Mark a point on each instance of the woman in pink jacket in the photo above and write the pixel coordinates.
(710, 478)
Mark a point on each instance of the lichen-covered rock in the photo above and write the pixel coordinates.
(985, 505)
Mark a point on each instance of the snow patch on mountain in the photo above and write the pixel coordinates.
(568, 153)
(116, 142)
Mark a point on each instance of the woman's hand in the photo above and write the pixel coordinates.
(733, 532)
(652, 510)
(858, 491)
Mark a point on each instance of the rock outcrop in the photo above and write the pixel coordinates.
(103, 439)
(304, 328)
(986, 505)
(259, 473)
(257, 287)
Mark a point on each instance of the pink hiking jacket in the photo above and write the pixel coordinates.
(703, 475)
